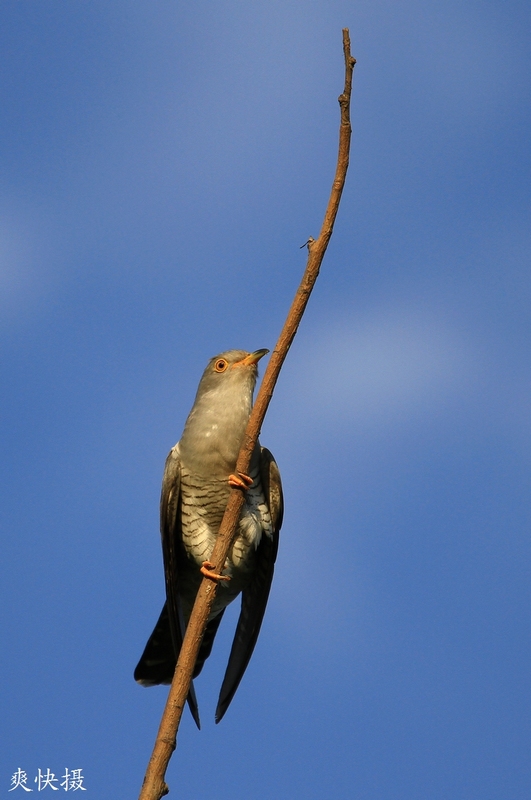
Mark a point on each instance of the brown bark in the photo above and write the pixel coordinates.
(154, 786)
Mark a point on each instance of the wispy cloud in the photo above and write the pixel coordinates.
(19, 279)
(384, 365)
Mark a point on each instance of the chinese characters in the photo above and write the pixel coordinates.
(72, 781)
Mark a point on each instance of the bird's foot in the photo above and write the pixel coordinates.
(207, 570)
(240, 481)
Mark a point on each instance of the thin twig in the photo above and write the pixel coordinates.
(154, 786)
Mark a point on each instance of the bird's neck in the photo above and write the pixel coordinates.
(214, 432)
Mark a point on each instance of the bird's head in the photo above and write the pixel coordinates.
(233, 371)
(216, 424)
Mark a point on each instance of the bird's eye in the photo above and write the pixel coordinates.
(221, 365)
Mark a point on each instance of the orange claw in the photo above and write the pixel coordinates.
(207, 571)
(240, 481)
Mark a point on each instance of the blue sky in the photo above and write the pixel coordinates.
(161, 165)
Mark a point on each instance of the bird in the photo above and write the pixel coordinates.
(199, 473)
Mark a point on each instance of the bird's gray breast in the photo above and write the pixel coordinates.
(203, 504)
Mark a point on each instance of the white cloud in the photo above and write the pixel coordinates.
(26, 265)
(17, 274)
(381, 366)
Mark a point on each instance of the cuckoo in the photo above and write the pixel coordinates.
(198, 476)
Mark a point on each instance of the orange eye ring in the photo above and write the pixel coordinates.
(221, 365)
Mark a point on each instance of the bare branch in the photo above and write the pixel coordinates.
(154, 786)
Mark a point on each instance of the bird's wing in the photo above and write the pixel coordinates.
(172, 551)
(254, 598)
